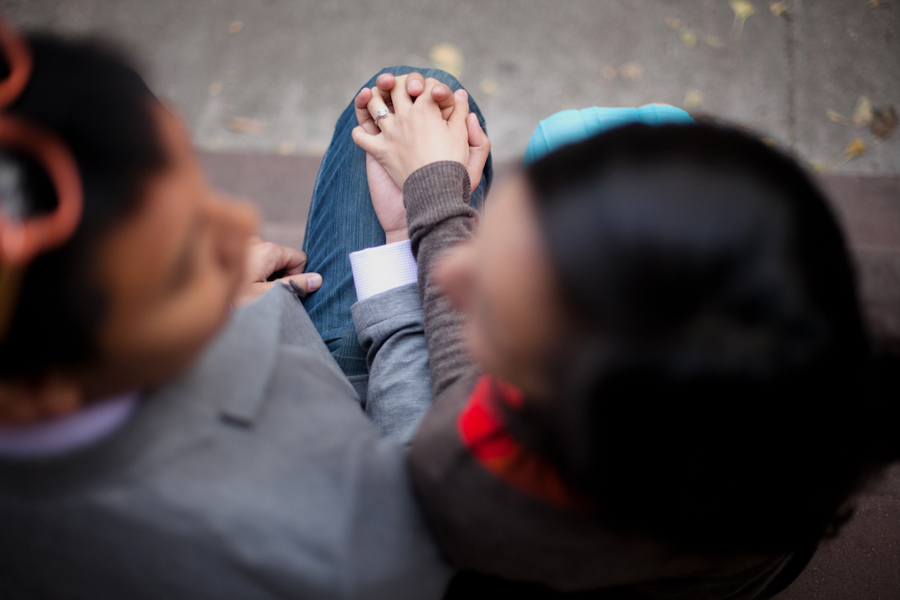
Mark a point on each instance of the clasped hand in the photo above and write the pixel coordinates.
(426, 123)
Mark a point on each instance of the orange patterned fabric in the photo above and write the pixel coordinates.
(481, 430)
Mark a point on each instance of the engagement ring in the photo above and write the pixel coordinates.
(382, 112)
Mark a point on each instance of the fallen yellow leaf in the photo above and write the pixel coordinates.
(633, 71)
(693, 99)
(688, 38)
(743, 10)
(246, 126)
(316, 147)
(447, 57)
(854, 148)
(286, 148)
(235, 27)
(489, 87)
(836, 117)
(779, 8)
(862, 114)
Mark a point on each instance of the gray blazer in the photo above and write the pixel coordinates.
(255, 475)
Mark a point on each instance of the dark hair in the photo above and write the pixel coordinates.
(88, 96)
(714, 383)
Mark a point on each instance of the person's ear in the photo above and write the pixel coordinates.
(38, 399)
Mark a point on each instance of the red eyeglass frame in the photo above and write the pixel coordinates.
(22, 241)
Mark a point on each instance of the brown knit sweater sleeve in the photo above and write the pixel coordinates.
(439, 217)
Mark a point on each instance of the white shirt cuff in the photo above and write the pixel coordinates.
(383, 268)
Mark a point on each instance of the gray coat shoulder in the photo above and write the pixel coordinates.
(255, 475)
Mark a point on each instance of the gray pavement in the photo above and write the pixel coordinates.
(276, 84)
(294, 64)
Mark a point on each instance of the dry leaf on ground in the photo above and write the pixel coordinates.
(608, 73)
(316, 147)
(246, 126)
(779, 8)
(884, 121)
(743, 10)
(633, 71)
(874, 3)
(688, 38)
(836, 117)
(286, 148)
(489, 87)
(855, 148)
(862, 114)
(447, 57)
(235, 27)
(693, 99)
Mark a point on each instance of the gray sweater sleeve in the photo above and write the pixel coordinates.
(439, 217)
(389, 327)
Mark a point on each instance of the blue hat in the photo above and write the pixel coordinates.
(568, 126)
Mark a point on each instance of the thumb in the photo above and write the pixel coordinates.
(479, 149)
(368, 142)
(303, 284)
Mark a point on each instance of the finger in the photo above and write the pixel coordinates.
(375, 104)
(303, 284)
(360, 104)
(385, 83)
(415, 84)
(427, 97)
(441, 94)
(282, 258)
(479, 149)
(399, 95)
(460, 110)
(295, 261)
(367, 141)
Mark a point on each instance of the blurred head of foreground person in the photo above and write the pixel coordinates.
(153, 442)
(677, 306)
(147, 279)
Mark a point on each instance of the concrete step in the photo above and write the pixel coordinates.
(863, 561)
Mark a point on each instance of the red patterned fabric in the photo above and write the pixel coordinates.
(481, 430)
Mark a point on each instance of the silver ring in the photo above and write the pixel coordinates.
(382, 113)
